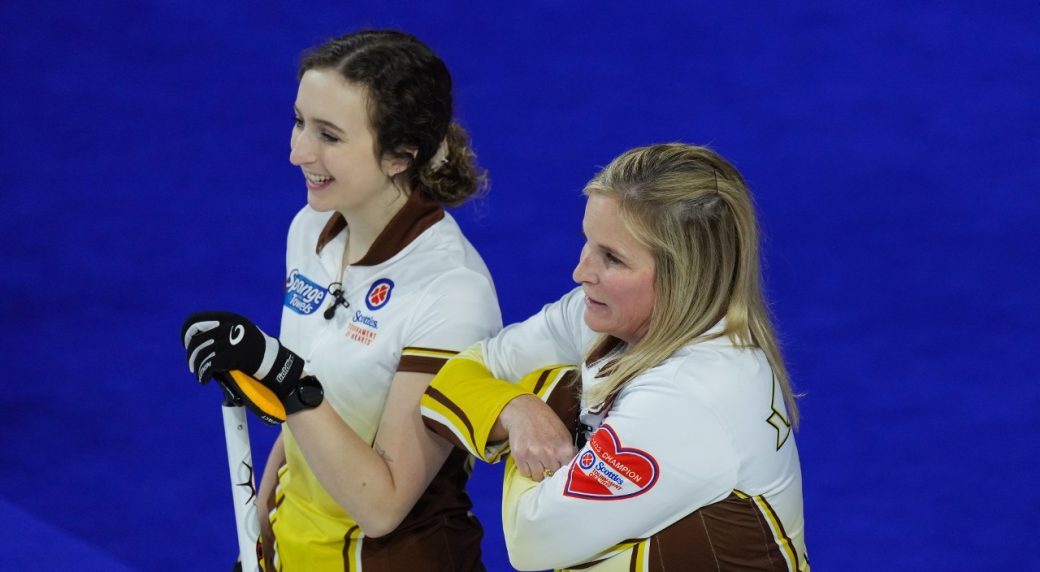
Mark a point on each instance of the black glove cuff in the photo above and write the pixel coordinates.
(307, 395)
(285, 374)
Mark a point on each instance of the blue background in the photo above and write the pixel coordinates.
(893, 150)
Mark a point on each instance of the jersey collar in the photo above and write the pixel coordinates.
(418, 214)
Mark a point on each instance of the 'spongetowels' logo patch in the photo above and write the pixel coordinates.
(379, 294)
(301, 295)
(604, 470)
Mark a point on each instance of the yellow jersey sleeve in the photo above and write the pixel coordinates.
(465, 399)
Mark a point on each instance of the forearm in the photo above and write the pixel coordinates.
(498, 432)
(376, 489)
(269, 478)
(478, 413)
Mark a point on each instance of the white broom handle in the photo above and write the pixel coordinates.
(243, 487)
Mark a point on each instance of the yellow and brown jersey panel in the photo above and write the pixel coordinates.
(728, 535)
(740, 532)
(440, 534)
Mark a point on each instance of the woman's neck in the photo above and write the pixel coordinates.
(364, 225)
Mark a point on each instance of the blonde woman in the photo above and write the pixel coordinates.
(678, 403)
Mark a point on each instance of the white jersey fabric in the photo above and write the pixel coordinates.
(420, 295)
(692, 466)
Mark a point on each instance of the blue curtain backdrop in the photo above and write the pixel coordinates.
(892, 147)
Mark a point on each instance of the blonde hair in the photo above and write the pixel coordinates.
(693, 211)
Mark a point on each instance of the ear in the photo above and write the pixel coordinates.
(397, 162)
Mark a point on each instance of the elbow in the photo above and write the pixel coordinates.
(374, 532)
(381, 523)
(377, 530)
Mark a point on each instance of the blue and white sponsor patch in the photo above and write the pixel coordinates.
(301, 294)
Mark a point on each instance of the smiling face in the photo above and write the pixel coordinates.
(616, 272)
(333, 144)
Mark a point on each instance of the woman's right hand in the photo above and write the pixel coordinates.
(538, 441)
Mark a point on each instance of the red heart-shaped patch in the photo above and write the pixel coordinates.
(604, 470)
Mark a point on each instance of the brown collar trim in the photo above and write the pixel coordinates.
(602, 350)
(334, 226)
(609, 344)
(418, 214)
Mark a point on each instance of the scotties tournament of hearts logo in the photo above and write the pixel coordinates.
(605, 470)
(379, 294)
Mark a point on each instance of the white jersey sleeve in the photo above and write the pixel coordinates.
(555, 335)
